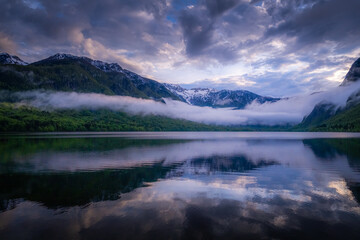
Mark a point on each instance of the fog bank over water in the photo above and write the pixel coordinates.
(286, 111)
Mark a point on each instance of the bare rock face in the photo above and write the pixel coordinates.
(354, 73)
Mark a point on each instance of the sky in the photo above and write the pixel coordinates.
(271, 47)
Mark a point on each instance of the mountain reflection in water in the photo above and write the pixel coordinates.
(179, 188)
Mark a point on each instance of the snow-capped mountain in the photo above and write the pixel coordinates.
(136, 79)
(190, 95)
(120, 81)
(66, 72)
(103, 66)
(61, 56)
(196, 96)
(214, 98)
(6, 58)
(106, 67)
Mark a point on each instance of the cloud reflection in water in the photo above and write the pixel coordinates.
(206, 189)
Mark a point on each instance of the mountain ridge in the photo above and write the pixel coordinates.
(6, 58)
(327, 115)
(218, 98)
(68, 72)
(103, 66)
(353, 74)
(65, 72)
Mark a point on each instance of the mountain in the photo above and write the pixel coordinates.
(329, 117)
(105, 67)
(318, 115)
(354, 73)
(213, 98)
(6, 58)
(347, 120)
(65, 72)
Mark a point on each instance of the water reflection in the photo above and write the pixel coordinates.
(179, 188)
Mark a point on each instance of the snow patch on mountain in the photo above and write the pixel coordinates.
(214, 98)
(61, 56)
(135, 78)
(138, 80)
(189, 94)
(103, 66)
(107, 67)
(6, 58)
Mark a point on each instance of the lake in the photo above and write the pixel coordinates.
(180, 185)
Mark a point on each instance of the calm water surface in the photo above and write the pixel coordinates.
(180, 186)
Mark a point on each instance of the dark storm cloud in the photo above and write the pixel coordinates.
(310, 22)
(197, 30)
(218, 7)
(207, 27)
(31, 23)
(123, 23)
(283, 9)
(63, 24)
(335, 20)
(238, 22)
(198, 26)
(148, 36)
(216, 29)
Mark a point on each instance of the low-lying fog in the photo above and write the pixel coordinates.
(286, 111)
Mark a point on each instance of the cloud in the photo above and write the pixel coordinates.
(263, 199)
(203, 145)
(208, 146)
(311, 25)
(228, 82)
(205, 39)
(214, 30)
(110, 31)
(286, 111)
(197, 30)
(6, 44)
